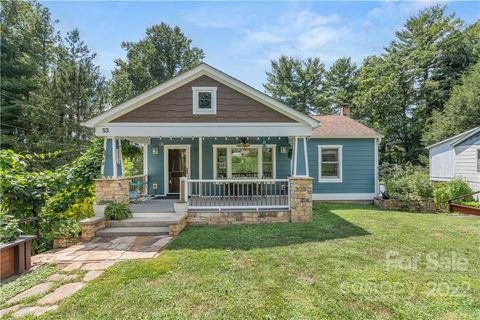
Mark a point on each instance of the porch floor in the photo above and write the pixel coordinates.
(152, 208)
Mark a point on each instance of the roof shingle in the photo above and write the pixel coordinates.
(338, 126)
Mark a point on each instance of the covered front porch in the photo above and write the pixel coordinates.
(211, 173)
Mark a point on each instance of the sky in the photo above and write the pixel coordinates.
(241, 38)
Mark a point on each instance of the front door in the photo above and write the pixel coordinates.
(177, 168)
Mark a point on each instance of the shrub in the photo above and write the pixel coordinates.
(68, 228)
(9, 230)
(470, 203)
(408, 183)
(117, 211)
(451, 190)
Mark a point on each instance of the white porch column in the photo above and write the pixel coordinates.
(112, 165)
(300, 157)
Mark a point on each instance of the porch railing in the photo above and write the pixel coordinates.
(223, 194)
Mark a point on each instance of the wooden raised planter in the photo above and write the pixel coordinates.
(452, 207)
(15, 257)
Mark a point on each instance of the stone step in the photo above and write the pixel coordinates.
(143, 222)
(132, 231)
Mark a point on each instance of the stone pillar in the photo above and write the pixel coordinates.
(113, 189)
(301, 199)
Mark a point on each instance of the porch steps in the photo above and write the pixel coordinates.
(143, 222)
(132, 231)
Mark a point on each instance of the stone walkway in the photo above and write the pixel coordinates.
(80, 264)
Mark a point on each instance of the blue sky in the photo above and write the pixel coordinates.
(240, 38)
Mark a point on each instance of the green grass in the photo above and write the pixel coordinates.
(333, 268)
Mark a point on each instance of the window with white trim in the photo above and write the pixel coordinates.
(256, 162)
(478, 160)
(204, 100)
(330, 163)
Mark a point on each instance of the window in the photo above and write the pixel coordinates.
(478, 160)
(237, 163)
(204, 100)
(330, 163)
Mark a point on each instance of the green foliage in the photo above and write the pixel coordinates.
(161, 55)
(409, 183)
(9, 228)
(399, 91)
(53, 196)
(67, 228)
(341, 83)
(458, 115)
(450, 190)
(298, 83)
(117, 211)
(474, 204)
(50, 84)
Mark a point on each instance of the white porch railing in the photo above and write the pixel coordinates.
(223, 194)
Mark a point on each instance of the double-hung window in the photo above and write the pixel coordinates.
(330, 163)
(204, 100)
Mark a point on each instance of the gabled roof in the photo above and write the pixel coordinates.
(459, 138)
(338, 126)
(187, 76)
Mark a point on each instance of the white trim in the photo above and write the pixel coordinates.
(200, 157)
(213, 97)
(377, 184)
(306, 156)
(462, 136)
(165, 162)
(342, 196)
(120, 160)
(340, 164)
(102, 169)
(114, 157)
(145, 165)
(229, 148)
(295, 149)
(202, 129)
(181, 79)
(345, 137)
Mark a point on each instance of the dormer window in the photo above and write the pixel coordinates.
(204, 100)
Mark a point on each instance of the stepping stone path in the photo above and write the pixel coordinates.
(90, 257)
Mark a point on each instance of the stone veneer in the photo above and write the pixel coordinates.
(301, 199)
(112, 189)
(425, 205)
(90, 226)
(175, 229)
(246, 217)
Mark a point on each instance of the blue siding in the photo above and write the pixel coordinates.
(301, 168)
(108, 159)
(156, 161)
(358, 166)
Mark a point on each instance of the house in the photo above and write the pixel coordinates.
(222, 145)
(457, 157)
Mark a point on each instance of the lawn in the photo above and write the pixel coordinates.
(352, 262)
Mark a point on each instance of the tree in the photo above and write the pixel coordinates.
(462, 111)
(341, 82)
(299, 84)
(162, 54)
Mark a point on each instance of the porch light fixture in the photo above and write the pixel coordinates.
(154, 150)
(283, 149)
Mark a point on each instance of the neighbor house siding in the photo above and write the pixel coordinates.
(442, 162)
(358, 166)
(177, 106)
(466, 160)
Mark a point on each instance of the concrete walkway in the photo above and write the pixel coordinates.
(79, 264)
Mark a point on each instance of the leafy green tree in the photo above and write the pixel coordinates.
(299, 84)
(161, 55)
(462, 111)
(341, 82)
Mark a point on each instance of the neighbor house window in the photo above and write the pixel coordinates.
(255, 162)
(204, 100)
(478, 160)
(330, 163)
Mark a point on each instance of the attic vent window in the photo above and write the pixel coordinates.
(204, 100)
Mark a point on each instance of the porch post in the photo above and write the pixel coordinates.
(112, 165)
(300, 157)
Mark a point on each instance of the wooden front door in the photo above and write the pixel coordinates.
(177, 168)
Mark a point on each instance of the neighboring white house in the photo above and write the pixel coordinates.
(457, 157)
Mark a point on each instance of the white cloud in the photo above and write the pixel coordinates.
(391, 9)
(303, 33)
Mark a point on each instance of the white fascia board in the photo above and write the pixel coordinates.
(342, 196)
(460, 136)
(180, 80)
(346, 137)
(202, 129)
